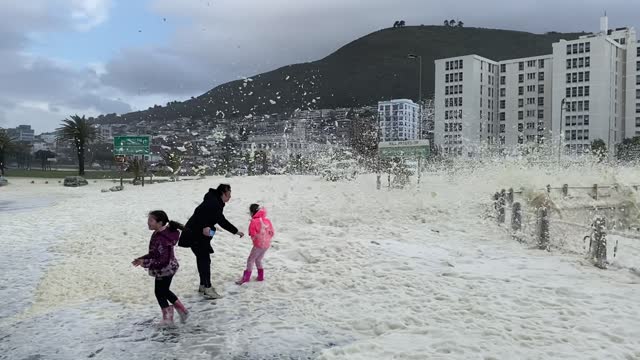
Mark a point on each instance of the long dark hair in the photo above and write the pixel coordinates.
(162, 217)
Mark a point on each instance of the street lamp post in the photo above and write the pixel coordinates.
(419, 57)
(562, 104)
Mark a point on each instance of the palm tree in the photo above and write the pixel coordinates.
(460, 24)
(6, 143)
(78, 130)
(446, 23)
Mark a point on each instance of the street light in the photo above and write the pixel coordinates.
(419, 57)
(562, 104)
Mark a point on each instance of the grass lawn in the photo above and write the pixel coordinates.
(89, 174)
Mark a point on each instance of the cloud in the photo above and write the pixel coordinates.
(37, 89)
(90, 13)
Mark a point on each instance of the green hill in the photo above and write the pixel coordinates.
(362, 72)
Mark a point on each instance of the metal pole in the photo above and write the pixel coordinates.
(561, 133)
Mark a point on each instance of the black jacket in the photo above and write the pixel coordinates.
(208, 214)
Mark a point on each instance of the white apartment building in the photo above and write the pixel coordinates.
(524, 105)
(595, 87)
(592, 84)
(466, 105)
(399, 120)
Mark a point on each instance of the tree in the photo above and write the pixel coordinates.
(599, 149)
(629, 149)
(396, 24)
(44, 156)
(446, 23)
(452, 23)
(173, 161)
(78, 130)
(6, 144)
(262, 159)
(401, 23)
(460, 24)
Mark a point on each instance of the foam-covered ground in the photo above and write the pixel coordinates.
(353, 273)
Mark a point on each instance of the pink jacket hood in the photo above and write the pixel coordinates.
(261, 229)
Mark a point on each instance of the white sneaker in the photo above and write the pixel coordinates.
(210, 293)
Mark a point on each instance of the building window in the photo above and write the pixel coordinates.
(586, 105)
(541, 63)
(541, 114)
(568, 78)
(521, 90)
(580, 77)
(587, 76)
(637, 93)
(502, 128)
(503, 80)
(581, 62)
(567, 121)
(521, 66)
(587, 47)
(581, 48)
(540, 101)
(503, 116)
(460, 76)
(461, 63)
(587, 61)
(446, 78)
(521, 78)
(503, 68)
(574, 91)
(586, 134)
(541, 89)
(520, 102)
(569, 49)
(586, 120)
(502, 104)
(520, 127)
(520, 115)
(531, 76)
(638, 66)
(503, 92)
(531, 88)
(586, 91)
(568, 63)
(541, 76)
(574, 63)
(575, 48)
(581, 91)
(568, 94)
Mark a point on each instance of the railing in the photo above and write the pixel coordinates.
(583, 228)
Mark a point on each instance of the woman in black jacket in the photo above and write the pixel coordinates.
(197, 233)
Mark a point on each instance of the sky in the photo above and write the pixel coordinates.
(91, 57)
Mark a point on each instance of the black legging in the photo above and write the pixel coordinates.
(163, 294)
(203, 259)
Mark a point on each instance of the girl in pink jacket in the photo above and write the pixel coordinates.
(261, 232)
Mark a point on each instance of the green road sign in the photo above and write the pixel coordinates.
(132, 145)
(408, 149)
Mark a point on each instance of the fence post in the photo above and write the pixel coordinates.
(594, 192)
(565, 190)
(510, 196)
(543, 228)
(548, 189)
(516, 217)
(599, 242)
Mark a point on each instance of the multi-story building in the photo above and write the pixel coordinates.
(594, 88)
(399, 120)
(524, 107)
(465, 104)
(588, 89)
(22, 133)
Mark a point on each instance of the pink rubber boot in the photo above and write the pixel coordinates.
(182, 311)
(246, 277)
(167, 316)
(260, 275)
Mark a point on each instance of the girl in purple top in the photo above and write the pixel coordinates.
(161, 263)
